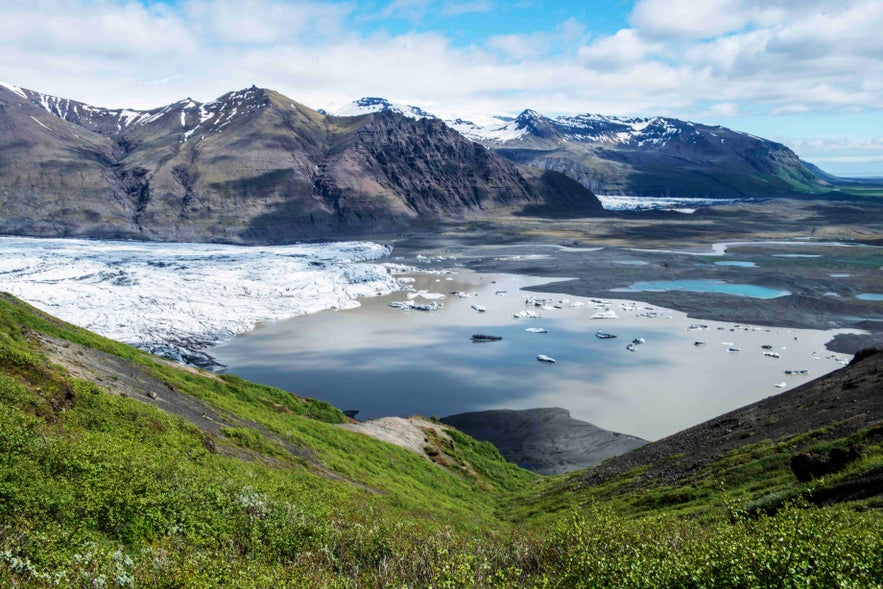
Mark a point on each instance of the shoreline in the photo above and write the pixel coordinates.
(587, 269)
(356, 359)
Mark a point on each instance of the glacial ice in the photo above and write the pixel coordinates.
(178, 299)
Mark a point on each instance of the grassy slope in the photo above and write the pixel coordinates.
(99, 489)
(747, 454)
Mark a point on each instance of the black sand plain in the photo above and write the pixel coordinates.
(825, 251)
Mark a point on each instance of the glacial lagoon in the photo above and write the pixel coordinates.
(381, 360)
(179, 298)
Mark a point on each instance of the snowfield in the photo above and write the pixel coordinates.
(178, 299)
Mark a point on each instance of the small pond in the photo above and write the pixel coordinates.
(737, 264)
(713, 286)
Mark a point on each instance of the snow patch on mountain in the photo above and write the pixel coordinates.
(13, 88)
(178, 299)
(583, 128)
(496, 129)
(41, 124)
(368, 105)
(217, 114)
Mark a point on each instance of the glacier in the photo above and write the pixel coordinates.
(179, 299)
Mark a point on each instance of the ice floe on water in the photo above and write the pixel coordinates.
(177, 299)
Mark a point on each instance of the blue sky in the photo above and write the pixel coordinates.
(808, 73)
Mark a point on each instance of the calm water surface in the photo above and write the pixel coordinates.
(385, 361)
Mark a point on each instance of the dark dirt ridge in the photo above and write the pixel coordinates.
(846, 401)
(128, 379)
(545, 441)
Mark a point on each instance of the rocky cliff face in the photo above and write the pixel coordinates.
(251, 166)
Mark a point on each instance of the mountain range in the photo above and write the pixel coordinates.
(655, 156)
(255, 166)
(252, 166)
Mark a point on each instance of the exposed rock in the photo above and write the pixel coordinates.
(408, 432)
(807, 466)
(252, 166)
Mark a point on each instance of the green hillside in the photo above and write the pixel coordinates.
(122, 470)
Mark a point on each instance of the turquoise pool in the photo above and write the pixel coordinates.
(715, 286)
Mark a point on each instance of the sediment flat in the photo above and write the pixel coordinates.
(825, 253)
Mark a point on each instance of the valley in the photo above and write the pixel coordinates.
(745, 349)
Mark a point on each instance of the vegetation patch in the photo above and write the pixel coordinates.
(102, 487)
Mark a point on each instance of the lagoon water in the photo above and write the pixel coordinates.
(386, 361)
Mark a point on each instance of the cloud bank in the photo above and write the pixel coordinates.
(710, 60)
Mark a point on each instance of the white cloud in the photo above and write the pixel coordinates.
(519, 46)
(688, 19)
(416, 10)
(455, 8)
(724, 110)
(532, 46)
(264, 22)
(714, 59)
(844, 155)
(623, 48)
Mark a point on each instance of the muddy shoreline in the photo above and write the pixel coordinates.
(824, 255)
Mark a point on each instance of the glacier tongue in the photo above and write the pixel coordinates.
(178, 299)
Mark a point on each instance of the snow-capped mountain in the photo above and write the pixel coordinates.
(649, 156)
(187, 116)
(586, 128)
(655, 156)
(364, 106)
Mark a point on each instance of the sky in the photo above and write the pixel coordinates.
(808, 73)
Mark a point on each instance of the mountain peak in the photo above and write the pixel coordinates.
(528, 115)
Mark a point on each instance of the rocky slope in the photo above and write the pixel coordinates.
(835, 406)
(651, 156)
(654, 156)
(251, 166)
(545, 441)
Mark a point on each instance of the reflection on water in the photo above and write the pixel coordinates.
(386, 361)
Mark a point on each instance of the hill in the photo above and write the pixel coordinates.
(252, 166)
(120, 469)
(821, 440)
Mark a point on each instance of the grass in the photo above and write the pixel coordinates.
(101, 490)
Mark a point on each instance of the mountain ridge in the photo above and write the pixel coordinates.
(642, 156)
(252, 166)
